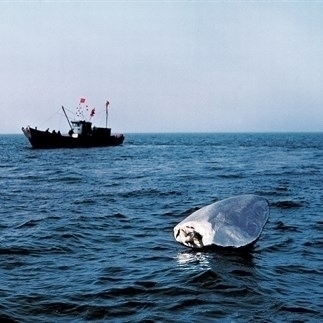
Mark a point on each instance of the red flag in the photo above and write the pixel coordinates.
(82, 100)
(92, 112)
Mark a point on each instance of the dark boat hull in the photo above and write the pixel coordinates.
(49, 140)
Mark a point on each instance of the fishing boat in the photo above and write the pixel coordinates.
(81, 134)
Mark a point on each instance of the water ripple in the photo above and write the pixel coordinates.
(86, 235)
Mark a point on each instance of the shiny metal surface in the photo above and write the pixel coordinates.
(233, 222)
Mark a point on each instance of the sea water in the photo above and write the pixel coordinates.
(86, 234)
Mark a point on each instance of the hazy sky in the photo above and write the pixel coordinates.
(165, 66)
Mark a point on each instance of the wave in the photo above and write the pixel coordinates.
(286, 204)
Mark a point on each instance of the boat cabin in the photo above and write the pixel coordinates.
(80, 128)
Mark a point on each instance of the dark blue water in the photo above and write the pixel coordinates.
(86, 234)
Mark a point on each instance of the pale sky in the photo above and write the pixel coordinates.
(165, 66)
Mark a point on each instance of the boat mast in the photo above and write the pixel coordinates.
(106, 114)
(67, 118)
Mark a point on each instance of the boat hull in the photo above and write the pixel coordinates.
(49, 140)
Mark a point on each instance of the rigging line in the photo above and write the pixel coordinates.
(51, 117)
